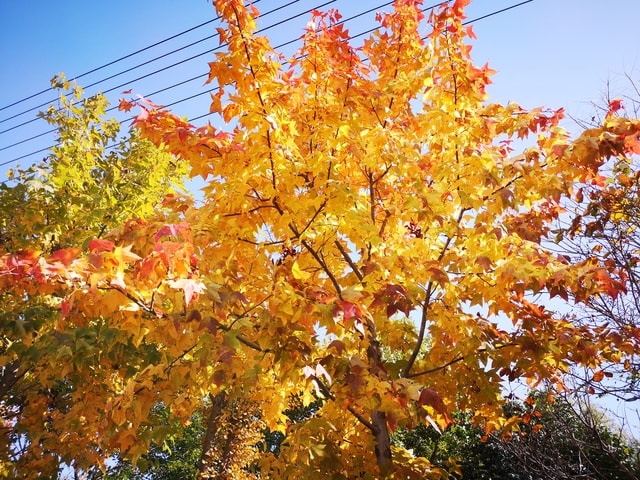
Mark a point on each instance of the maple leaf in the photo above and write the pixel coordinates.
(125, 105)
(98, 246)
(394, 298)
(191, 288)
(614, 106)
(66, 256)
(349, 310)
(432, 398)
(174, 230)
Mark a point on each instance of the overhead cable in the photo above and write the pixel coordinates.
(217, 48)
(120, 59)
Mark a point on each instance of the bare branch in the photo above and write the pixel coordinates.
(457, 359)
(324, 266)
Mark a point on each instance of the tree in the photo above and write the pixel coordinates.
(235, 445)
(366, 236)
(557, 439)
(81, 190)
(566, 439)
(605, 226)
(176, 458)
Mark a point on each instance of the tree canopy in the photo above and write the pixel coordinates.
(367, 237)
(83, 189)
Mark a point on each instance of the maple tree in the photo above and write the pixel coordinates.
(367, 238)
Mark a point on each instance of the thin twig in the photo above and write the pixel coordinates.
(456, 360)
(426, 303)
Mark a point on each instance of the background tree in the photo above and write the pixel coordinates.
(605, 226)
(566, 439)
(366, 236)
(557, 439)
(88, 184)
(177, 458)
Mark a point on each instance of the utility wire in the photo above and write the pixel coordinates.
(119, 59)
(497, 12)
(159, 71)
(217, 48)
(179, 63)
(143, 76)
(133, 68)
(277, 47)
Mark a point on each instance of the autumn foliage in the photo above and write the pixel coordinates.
(367, 237)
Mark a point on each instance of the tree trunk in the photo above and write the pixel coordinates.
(218, 402)
(383, 443)
(378, 418)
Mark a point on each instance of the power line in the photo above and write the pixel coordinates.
(154, 72)
(136, 66)
(174, 65)
(110, 77)
(351, 37)
(497, 12)
(188, 80)
(120, 59)
(131, 69)
(217, 48)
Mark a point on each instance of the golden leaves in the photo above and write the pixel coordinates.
(365, 226)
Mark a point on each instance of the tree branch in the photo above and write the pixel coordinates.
(425, 305)
(259, 93)
(348, 259)
(135, 300)
(327, 393)
(324, 266)
(456, 360)
(423, 327)
(244, 340)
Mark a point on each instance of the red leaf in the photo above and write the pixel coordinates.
(394, 298)
(349, 310)
(125, 105)
(65, 307)
(98, 246)
(431, 398)
(615, 105)
(171, 230)
(354, 381)
(66, 256)
(484, 262)
(440, 276)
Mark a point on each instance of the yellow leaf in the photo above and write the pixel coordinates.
(298, 273)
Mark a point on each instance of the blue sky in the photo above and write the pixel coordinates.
(547, 52)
